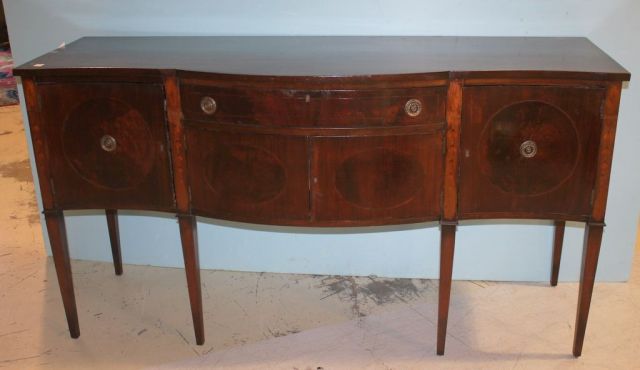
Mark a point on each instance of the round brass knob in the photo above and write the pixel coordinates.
(108, 143)
(208, 105)
(528, 149)
(413, 107)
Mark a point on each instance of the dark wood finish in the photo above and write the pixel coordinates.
(447, 246)
(591, 251)
(449, 212)
(534, 81)
(385, 178)
(248, 177)
(186, 221)
(178, 145)
(357, 82)
(54, 219)
(312, 131)
(39, 141)
(452, 136)
(605, 151)
(322, 108)
(558, 238)
(60, 251)
(135, 174)
(496, 179)
(189, 237)
(327, 57)
(318, 131)
(114, 238)
(595, 227)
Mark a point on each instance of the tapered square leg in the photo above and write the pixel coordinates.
(558, 238)
(114, 237)
(447, 244)
(188, 235)
(590, 254)
(60, 250)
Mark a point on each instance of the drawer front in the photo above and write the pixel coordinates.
(319, 108)
(529, 151)
(247, 176)
(377, 180)
(107, 145)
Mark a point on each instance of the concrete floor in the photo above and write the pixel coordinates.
(281, 321)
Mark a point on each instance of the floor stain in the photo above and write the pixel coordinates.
(345, 288)
(387, 291)
(360, 290)
(279, 333)
(20, 170)
(5, 133)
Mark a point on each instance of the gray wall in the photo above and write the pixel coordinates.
(499, 251)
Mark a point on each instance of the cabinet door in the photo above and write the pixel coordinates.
(377, 179)
(529, 151)
(245, 176)
(107, 145)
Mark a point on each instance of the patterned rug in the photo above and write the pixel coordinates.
(8, 90)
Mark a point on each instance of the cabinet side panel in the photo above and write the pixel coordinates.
(39, 141)
(605, 153)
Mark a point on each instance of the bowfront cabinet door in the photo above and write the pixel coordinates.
(246, 176)
(107, 145)
(529, 151)
(373, 180)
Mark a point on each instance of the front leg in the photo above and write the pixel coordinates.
(447, 243)
(592, 240)
(60, 250)
(189, 237)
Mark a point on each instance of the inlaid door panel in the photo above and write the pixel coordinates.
(248, 176)
(529, 151)
(107, 145)
(377, 179)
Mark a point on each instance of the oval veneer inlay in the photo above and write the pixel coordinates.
(245, 173)
(532, 124)
(133, 155)
(392, 178)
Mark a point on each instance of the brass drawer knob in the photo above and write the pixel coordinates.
(528, 149)
(108, 143)
(413, 107)
(208, 105)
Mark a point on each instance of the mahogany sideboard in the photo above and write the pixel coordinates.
(326, 131)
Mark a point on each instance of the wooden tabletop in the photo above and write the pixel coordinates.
(336, 56)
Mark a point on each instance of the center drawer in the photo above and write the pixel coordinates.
(314, 108)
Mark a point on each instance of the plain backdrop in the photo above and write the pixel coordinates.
(498, 250)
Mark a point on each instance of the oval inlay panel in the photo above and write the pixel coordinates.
(245, 173)
(132, 156)
(379, 178)
(528, 148)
